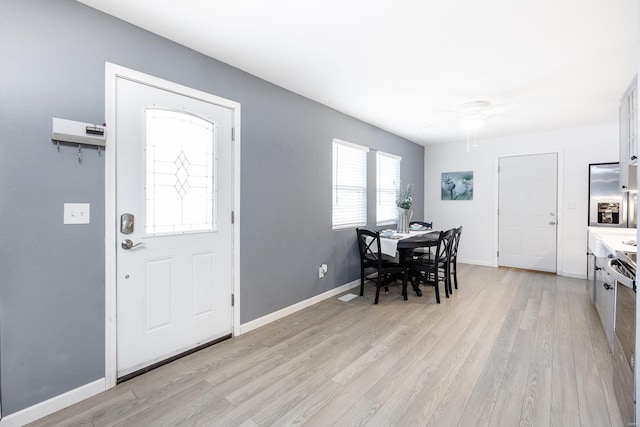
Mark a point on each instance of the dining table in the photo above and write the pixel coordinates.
(406, 243)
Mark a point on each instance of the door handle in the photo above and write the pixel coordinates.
(128, 244)
(552, 223)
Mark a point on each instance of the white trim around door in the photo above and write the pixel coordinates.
(112, 73)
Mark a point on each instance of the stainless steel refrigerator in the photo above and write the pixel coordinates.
(608, 206)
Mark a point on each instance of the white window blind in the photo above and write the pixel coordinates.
(349, 185)
(387, 185)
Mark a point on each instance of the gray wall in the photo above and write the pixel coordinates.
(52, 275)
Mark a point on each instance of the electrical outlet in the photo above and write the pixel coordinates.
(322, 271)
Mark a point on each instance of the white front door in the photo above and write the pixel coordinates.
(174, 259)
(527, 212)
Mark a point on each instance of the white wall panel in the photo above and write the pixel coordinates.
(157, 295)
(203, 279)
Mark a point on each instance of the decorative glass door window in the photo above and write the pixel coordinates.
(180, 164)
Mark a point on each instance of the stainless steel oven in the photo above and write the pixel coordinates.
(623, 269)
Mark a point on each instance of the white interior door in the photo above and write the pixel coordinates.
(174, 175)
(528, 194)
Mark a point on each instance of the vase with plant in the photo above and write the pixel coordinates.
(403, 202)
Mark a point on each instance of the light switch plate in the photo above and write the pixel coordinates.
(77, 213)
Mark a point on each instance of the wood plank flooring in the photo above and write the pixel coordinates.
(508, 348)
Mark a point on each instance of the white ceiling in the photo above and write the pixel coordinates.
(401, 65)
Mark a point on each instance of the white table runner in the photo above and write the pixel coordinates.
(389, 246)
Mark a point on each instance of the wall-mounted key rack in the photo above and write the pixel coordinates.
(72, 132)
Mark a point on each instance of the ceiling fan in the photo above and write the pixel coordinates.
(473, 114)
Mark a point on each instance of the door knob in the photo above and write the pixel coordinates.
(552, 223)
(128, 244)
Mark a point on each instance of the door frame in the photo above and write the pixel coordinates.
(112, 73)
(559, 203)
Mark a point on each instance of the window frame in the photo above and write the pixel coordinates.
(379, 189)
(360, 218)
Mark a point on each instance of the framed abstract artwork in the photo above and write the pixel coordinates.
(457, 185)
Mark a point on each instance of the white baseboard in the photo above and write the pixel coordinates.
(272, 317)
(54, 404)
(476, 262)
(572, 275)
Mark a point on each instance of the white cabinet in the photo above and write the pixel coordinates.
(628, 116)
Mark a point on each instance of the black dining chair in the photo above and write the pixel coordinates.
(423, 251)
(371, 257)
(453, 258)
(432, 271)
(445, 261)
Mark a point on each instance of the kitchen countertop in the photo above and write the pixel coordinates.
(612, 239)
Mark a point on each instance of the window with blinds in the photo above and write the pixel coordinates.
(349, 185)
(387, 186)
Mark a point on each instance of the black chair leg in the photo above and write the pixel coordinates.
(378, 285)
(362, 282)
(415, 280)
(404, 285)
(381, 280)
(446, 284)
(455, 275)
(437, 292)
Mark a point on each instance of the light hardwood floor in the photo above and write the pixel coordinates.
(508, 348)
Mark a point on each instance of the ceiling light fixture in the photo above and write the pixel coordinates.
(469, 132)
(473, 115)
(471, 123)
